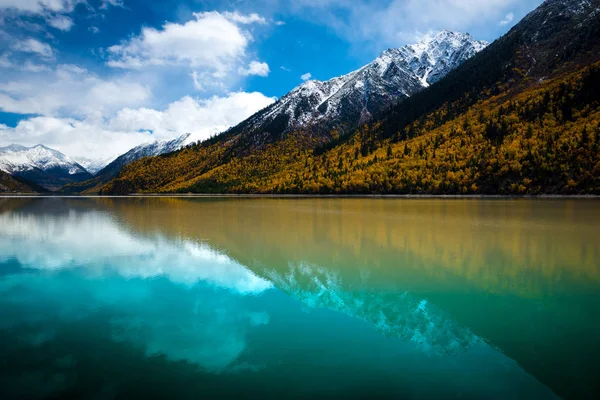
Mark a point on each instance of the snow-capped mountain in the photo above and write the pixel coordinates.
(152, 149)
(394, 75)
(114, 167)
(48, 167)
(94, 165)
(16, 158)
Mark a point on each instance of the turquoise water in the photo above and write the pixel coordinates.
(299, 298)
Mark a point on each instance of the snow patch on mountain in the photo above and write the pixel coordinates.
(94, 165)
(16, 159)
(155, 148)
(395, 74)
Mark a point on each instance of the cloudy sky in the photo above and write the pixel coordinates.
(94, 78)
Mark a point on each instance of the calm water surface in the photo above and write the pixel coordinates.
(296, 298)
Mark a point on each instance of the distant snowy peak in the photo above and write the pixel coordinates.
(395, 74)
(156, 148)
(16, 159)
(93, 165)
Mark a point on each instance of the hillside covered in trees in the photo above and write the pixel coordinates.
(521, 117)
(14, 184)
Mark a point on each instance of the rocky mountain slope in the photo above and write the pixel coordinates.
(347, 100)
(47, 167)
(113, 168)
(522, 116)
(341, 102)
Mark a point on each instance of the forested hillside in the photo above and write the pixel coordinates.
(521, 117)
(13, 184)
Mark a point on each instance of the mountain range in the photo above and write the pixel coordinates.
(341, 102)
(521, 116)
(49, 168)
(448, 115)
(40, 168)
(113, 168)
(345, 101)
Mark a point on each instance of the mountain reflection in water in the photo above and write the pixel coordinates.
(332, 297)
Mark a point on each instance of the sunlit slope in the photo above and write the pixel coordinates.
(520, 117)
(543, 138)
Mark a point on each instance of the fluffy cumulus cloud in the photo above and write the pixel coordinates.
(256, 68)
(103, 137)
(213, 45)
(69, 90)
(107, 112)
(211, 40)
(306, 76)
(201, 117)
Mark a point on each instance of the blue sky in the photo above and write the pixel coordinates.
(96, 77)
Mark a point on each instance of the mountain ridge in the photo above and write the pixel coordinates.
(491, 126)
(113, 168)
(45, 166)
(350, 99)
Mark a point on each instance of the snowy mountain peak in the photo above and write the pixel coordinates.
(48, 167)
(396, 74)
(434, 56)
(145, 150)
(16, 158)
(13, 148)
(94, 165)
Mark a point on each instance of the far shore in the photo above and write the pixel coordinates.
(308, 196)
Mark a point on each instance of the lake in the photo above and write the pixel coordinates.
(118, 298)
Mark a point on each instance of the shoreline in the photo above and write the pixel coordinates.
(312, 196)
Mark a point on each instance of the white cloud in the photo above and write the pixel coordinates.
(69, 90)
(61, 22)
(210, 41)
(84, 114)
(115, 3)
(285, 69)
(306, 76)
(201, 117)
(279, 23)
(256, 68)
(40, 6)
(33, 46)
(102, 137)
(94, 29)
(244, 19)
(48, 7)
(508, 19)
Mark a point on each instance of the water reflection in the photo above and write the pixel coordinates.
(259, 295)
(401, 315)
(94, 241)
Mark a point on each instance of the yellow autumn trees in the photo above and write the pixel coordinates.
(537, 138)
